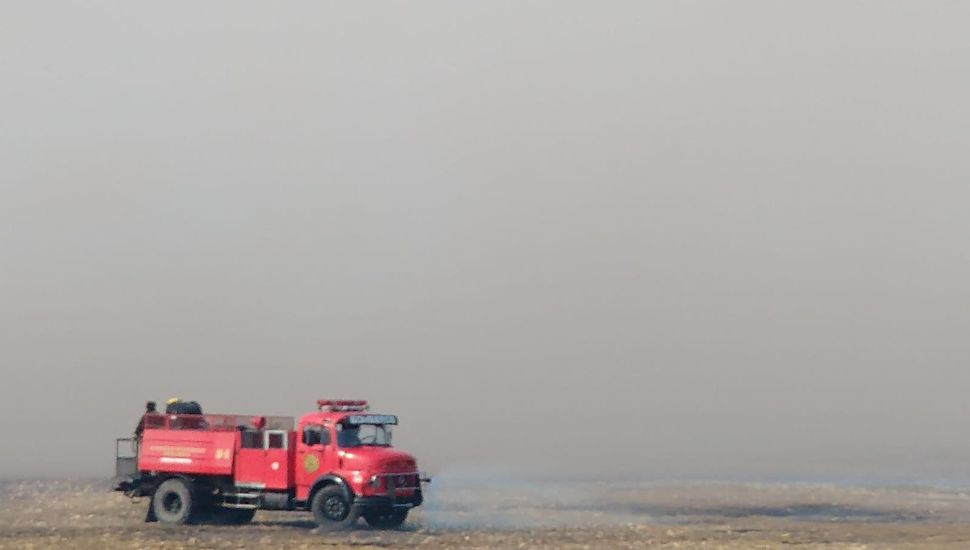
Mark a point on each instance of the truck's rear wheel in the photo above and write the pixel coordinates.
(332, 510)
(172, 502)
(385, 519)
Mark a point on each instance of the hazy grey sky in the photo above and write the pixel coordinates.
(709, 239)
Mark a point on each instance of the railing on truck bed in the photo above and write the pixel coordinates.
(216, 422)
(126, 458)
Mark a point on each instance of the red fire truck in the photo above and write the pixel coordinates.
(337, 463)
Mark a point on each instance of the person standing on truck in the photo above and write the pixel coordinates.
(149, 409)
(171, 405)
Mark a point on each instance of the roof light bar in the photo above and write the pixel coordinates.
(336, 405)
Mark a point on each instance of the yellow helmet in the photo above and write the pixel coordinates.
(172, 400)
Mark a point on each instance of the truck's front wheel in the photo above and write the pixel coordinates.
(172, 502)
(332, 510)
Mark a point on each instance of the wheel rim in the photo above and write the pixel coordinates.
(335, 508)
(172, 503)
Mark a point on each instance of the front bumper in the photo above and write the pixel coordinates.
(389, 501)
(393, 487)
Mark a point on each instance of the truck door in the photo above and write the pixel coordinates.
(312, 456)
(277, 460)
(262, 461)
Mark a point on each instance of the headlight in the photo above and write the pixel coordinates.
(374, 482)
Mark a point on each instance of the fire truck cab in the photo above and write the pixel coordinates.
(336, 462)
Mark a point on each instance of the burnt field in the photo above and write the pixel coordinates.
(85, 515)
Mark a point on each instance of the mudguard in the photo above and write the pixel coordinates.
(331, 479)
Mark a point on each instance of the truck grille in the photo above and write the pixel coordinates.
(406, 480)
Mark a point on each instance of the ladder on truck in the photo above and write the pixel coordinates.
(241, 500)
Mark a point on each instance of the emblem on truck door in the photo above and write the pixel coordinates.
(311, 463)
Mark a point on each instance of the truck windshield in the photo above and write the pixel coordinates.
(364, 435)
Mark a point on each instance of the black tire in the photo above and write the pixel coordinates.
(173, 502)
(385, 519)
(332, 510)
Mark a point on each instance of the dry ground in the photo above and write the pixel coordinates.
(85, 515)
